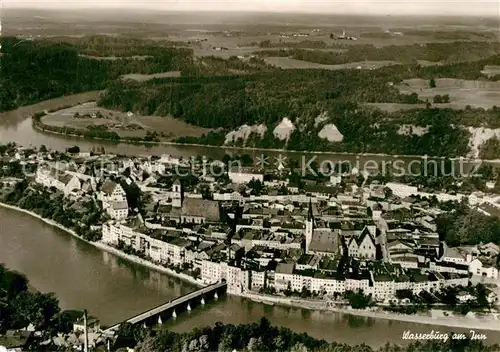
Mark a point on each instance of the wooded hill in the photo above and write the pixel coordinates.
(225, 94)
(302, 95)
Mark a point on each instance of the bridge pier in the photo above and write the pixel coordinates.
(174, 314)
(202, 300)
(144, 325)
(216, 296)
(188, 307)
(159, 320)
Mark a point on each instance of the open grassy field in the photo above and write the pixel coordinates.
(393, 107)
(113, 58)
(481, 94)
(425, 63)
(124, 124)
(142, 78)
(288, 63)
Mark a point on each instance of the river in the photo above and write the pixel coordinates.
(16, 126)
(82, 276)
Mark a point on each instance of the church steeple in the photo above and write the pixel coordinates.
(310, 216)
(309, 226)
(177, 194)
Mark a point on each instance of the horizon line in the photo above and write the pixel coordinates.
(355, 13)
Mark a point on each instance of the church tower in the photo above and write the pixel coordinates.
(309, 226)
(177, 194)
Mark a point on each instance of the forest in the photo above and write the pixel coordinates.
(33, 71)
(228, 102)
(468, 226)
(36, 71)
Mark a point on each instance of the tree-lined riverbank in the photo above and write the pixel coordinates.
(105, 247)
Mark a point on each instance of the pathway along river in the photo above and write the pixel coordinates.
(113, 289)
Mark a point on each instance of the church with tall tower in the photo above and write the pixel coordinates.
(177, 194)
(320, 238)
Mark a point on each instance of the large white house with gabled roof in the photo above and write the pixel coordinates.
(114, 200)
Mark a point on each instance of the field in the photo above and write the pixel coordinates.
(393, 107)
(240, 32)
(125, 125)
(113, 58)
(142, 78)
(425, 63)
(288, 63)
(481, 94)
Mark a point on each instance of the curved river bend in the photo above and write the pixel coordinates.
(113, 289)
(16, 126)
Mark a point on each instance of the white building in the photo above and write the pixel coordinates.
(363, 246)
(402, 190)
(117, 210)
(454, 255)
(61, 180)
(326, 285)
(258, 279)
(211, 272)
(240, 176)
(111, 191)
(114, 200)
(237, 280)
(383, 287)
(478, 268)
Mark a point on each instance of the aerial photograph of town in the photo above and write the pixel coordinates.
(243, 175)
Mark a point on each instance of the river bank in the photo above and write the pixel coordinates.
(491, 323)
(436, 317)
(40, 128)
(112, 250)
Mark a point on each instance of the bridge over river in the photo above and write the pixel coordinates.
(172, 308)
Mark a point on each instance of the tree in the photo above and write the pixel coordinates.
(358, 300)
(73, 150)
(482, 296)
(449, 296)
(36, 308)
(413, 98)
(305, 293)
(432, 83)
(402, 294)
(257, 186)
(437, 99)
(128, 335)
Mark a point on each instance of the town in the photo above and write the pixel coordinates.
(260, 231)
